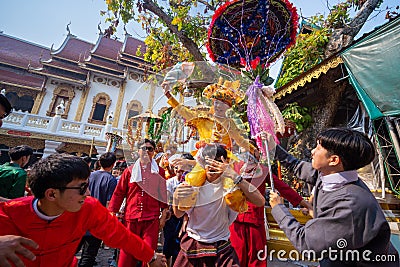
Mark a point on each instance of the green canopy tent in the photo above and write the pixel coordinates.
(373, 65)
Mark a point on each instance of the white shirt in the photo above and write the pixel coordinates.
(335, 181)
(172, 183)
(210, 218)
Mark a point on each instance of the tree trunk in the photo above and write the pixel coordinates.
(342, 37)
(324, 112)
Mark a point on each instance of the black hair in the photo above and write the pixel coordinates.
(55, 171)
(18, 152)
(87, 159)
(187, 156)
(121, 165)
(214, 151)
(153, 144)
(354, 148)
(6, 104)
(107, 159)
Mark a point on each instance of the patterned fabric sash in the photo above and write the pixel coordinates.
(196, 249)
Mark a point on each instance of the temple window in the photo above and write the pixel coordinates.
(61, 93)
(100, 109)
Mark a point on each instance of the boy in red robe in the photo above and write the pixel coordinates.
(60, 213)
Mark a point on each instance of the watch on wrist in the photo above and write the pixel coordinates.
(238, 180)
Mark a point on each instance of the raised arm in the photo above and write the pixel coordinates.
(186, 113)
(251, 192)
(302, 169)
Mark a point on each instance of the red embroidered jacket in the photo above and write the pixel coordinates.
(144, 200)
(256, 214)
(59, 239)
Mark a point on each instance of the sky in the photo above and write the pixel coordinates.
(44, 21)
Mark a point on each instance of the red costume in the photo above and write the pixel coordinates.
(144, 201)
(58, 239)
(248, 235)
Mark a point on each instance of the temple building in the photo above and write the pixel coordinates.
(66, 99)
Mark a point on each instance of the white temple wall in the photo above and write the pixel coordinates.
(75, 105)
(47, 98)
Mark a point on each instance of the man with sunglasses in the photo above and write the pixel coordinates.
(143, 185)
(60, 213)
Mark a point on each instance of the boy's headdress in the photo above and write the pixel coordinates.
(225, 91)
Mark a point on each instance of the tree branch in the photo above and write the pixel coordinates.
(209, 7)
(342, 37)
(186, 41)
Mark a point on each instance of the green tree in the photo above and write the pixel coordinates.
(177, 29)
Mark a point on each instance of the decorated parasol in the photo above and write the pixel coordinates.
(144, 118)
(253, 34)
(113, 140)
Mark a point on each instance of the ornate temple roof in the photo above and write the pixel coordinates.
(58, 64)
(131, 46)
(94, 63)
(73, 49)
(20, 53)
(128, 56)
(17, 56)
(21, 79)
(71, 62)
(107, 48)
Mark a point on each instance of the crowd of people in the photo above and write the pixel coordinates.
(210, 209)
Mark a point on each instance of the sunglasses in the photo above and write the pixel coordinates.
(82, 188)
(148, 148)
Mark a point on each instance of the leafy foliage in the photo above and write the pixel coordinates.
(309, 49)
(164, 49)
(297, 114)
(308, 52)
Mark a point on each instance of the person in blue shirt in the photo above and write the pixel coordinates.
(101, 186)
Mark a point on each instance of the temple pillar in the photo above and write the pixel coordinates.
(50, 147)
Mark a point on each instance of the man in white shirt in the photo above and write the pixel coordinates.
(206, 242)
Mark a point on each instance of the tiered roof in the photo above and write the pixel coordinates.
(16, 57)
(103, 57)
(26, 65)
(63, 63)
(128, 55)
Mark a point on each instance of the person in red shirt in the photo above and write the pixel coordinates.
(59, 214)
(144, 187)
